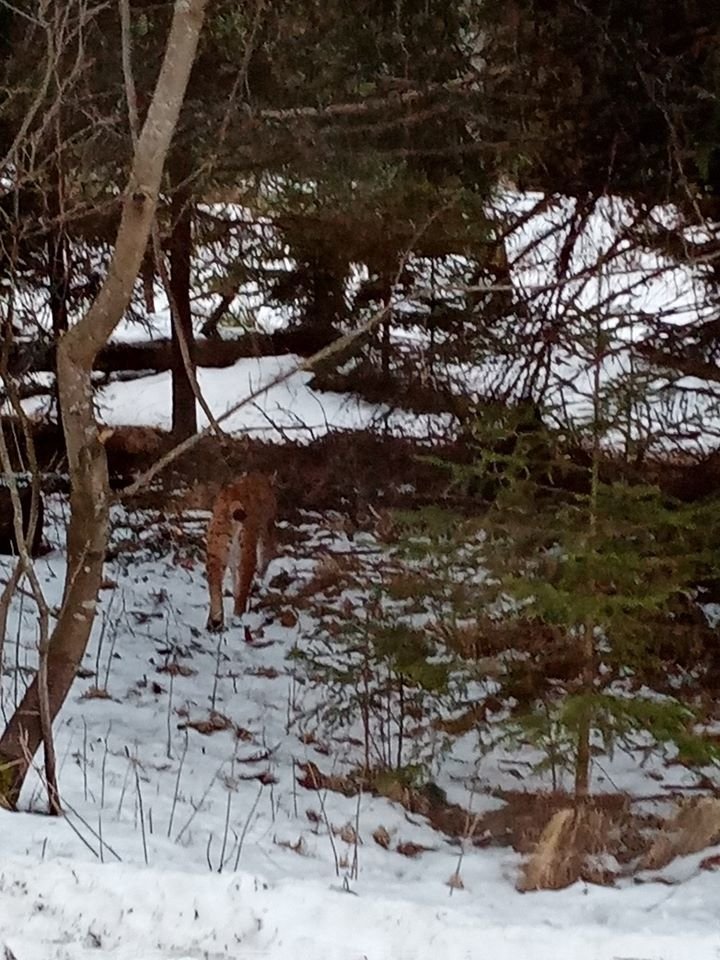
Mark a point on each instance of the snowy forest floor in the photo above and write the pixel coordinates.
(193, 827)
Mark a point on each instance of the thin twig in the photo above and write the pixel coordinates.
(141, 808)
(246, 825)
(176, 791)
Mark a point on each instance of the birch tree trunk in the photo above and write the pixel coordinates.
(77, 350)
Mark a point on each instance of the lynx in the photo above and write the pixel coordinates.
(241, 535)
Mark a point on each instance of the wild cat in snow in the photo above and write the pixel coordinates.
(241, 535)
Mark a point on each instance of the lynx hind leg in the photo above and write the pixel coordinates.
(244, 576)
(218, 548)
(244, 572)
(266, 550)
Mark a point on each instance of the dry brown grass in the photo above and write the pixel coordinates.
(468, 720)
(299, 847)
(562, 844)
(381, 837)
(96, 693)
(694, 827)
(412, 850)
(405, 585)
(468, 640)
(312, 778)
(549, 654)
(564, 853)
(550, 865)
(135, 441)
(331, 576)
(214, 723)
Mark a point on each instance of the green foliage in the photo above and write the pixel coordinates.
(604, 565)
(411, 776)
(444, 551)
(544, 730)
(604, 559)
(652, 97)
(382, 671)
(553, 728)
(596, 561)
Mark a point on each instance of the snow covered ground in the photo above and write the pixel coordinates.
(287, 408)
(58, 909)
(266, 397)
(187, 834)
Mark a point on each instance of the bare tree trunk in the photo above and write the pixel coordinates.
(584, 731)
(385, 346)
(210, 327)
(327, 306)
(589, 669)
(148, 279)
(90, 494)
(184, 408)
(58, 278)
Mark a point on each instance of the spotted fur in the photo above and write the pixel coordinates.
(241, 535)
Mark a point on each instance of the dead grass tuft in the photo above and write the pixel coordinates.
(123, 442)
(212, 724)
(288, 619)
(347, 834)
(176, 669)
(96, 693)
(564, 852)
(545, 647)
(694, 827)
(381, 837)
(312, 778)
(412, 850)
(331, 576)
(472, 717)
(406, 585)
(607, 827)
(299, 847)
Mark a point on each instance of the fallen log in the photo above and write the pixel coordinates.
(157, 355)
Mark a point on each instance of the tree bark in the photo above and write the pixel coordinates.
(327, 306)
(148, 280)
(385, 347)
(156, 355)
(184, 407)
(90, 493)
(58, 279)
(210, 327)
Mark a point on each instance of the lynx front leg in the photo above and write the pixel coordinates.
(217, 559)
